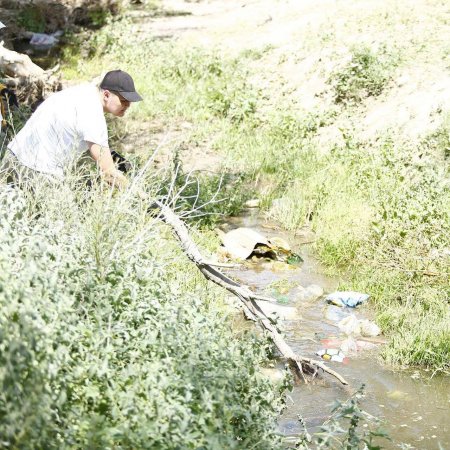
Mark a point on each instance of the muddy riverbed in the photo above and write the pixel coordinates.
(413, 404)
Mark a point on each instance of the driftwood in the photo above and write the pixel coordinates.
(248, 298)
(31, 82)
(17, 65)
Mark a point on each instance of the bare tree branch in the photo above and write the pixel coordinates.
(248, 298)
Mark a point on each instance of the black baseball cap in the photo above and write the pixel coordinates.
(122, 83)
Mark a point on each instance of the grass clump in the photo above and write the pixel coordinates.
(365, 75)
(109, 341)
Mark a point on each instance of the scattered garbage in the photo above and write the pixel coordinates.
(2, 25)
(335, 313)
(331, 342)
(280, 243)
(346, 298)
(282, 311)
(332, 354)
(369, 329)
(349, 345)
(352, 326)
(310, 293)
(44, 41)
(241, 243)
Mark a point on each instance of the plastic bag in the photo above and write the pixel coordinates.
(346, 298)
(331, 354)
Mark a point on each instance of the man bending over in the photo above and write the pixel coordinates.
(67, 124)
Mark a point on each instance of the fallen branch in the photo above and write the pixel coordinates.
(248, 298)
(31, 82)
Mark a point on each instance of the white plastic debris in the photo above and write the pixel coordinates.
(349, 345)
(2, 25)
(369, 329)
(352, 326)
(241, 242)
(45, 40)
(331, 354)
(346, 298)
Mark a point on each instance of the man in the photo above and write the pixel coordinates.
(70, 122)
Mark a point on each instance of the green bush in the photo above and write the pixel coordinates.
(109, 341)
(365, 75)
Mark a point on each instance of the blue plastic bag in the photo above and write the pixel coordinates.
(346, 298)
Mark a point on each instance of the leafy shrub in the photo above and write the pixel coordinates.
(367, 74)
(108, 342)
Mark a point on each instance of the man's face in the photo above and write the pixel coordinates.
(114, 103)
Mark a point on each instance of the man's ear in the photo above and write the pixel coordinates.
(106, 94)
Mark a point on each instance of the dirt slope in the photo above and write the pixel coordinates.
(303, 41)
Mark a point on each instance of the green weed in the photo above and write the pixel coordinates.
(367, 74)
(349, 428)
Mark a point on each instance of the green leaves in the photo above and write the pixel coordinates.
(366, 74)
(125, 349)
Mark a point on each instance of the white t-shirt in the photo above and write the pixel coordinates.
(56, 134)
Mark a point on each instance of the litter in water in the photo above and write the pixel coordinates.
(45, 40)
(243, 243)
(346, 298)
(334, 313)
(352, 326)
(332, 354)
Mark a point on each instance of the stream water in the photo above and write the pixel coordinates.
(413, 404)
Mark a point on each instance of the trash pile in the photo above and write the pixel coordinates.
(245, 243)
(274, 253)
(358, 332)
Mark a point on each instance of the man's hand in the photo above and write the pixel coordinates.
(102, 156)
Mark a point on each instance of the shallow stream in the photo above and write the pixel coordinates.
(415, 405)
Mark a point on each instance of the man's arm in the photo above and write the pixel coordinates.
(102, 156)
